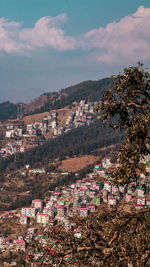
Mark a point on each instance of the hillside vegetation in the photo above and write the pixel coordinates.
(88, 90)
(8, 111)
(80, 141)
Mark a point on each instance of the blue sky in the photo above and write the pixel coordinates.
(46, 45)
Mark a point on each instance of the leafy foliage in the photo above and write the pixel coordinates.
(130, 101)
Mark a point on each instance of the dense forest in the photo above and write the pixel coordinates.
(79, 141)
(8, 111)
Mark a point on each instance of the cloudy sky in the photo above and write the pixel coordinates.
(46, 45)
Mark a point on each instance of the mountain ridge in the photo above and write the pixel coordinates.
(87, 90)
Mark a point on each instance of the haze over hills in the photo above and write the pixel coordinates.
(88, 90)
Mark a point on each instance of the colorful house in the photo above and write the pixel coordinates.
(84, 212)
(37, 203)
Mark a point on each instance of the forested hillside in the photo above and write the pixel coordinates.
(88, 90)
(79, 141)
(8, 111)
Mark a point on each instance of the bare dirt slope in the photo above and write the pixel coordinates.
(62, 116)
(78, 163)
(34, 118)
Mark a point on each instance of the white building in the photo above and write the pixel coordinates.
(29, 127)
(141, 200)
(40, 170)
(42, 218)
(114, 189)
(106, 162)
(31, 212)
(112, 200)
(47, 211)
(9, 134)
(107, 186)
(54, 124)
(140, 192)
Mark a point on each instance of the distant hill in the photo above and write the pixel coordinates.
(88, 90)
(8, 111)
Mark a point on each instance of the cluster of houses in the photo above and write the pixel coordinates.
(82, 116)
(49, 123)
(19, 137)
(79, 198)
(16, 146)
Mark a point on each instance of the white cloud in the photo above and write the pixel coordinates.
(46, 32)
(8, 36)
(124, 42)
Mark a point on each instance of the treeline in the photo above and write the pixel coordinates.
(79, 141)
(8, 111)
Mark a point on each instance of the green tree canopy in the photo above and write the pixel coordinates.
(130, 102)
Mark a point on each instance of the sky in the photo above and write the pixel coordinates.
(47, 45)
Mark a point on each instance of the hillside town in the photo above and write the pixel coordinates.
(20, 136)
(94, 192)
(84, 196)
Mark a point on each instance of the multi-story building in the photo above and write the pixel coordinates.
(47, 211)
(140, 192)
(107, 186)
(31, 212)
(42, 218)
(38, 204)
(141, 201)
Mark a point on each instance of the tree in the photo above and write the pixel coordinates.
(105, 241)
(130, 102)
